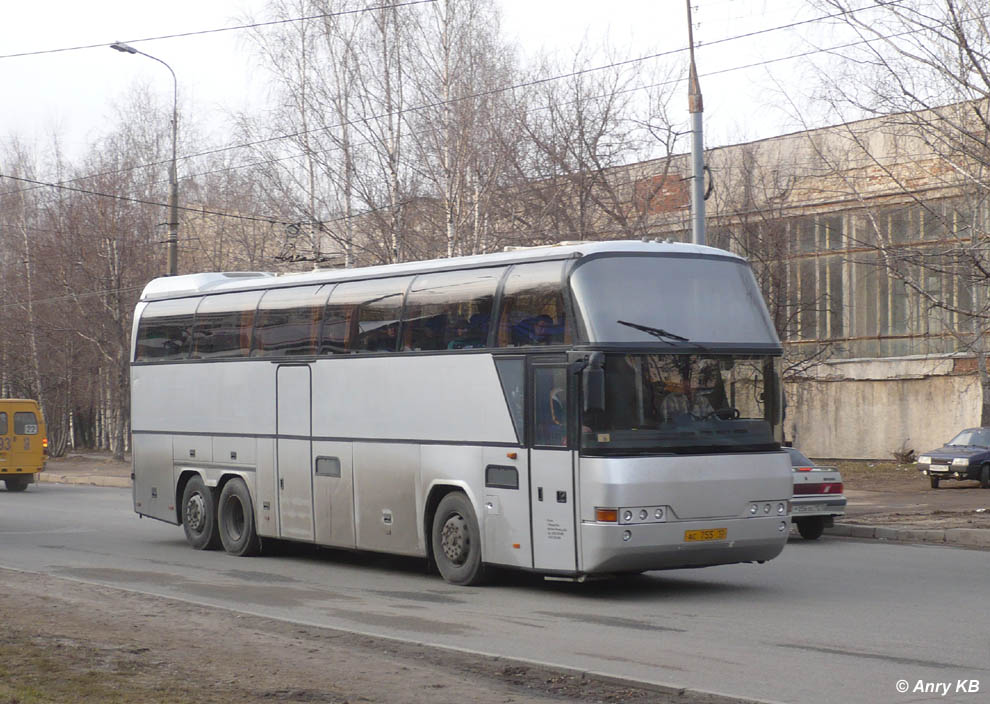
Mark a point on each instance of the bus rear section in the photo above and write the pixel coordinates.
(23, 443)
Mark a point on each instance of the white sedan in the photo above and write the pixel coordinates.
(818, 496)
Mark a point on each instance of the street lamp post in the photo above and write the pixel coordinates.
(173, 180)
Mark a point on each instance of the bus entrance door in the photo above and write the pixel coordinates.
(551, 467)
(293, 443)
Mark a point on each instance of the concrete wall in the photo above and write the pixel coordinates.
(868, 409)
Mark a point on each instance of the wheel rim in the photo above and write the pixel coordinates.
(196, 512)
(455, 541)
(234, 518)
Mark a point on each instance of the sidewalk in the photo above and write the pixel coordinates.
(92, 470)
(963, 537)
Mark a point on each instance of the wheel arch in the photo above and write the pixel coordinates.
(434, 496)
(216, 484)
(180, 488)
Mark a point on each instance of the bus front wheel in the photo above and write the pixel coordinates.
(199, 515)
(235, 518)
(457, 541)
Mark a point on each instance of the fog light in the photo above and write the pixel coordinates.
(627, 516)
(753, 509)
(626, 535)
(782, 527)
(781, 508)
(658, 514)
(644, 514)
(766, 508)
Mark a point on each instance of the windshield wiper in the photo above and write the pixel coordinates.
(656, 332)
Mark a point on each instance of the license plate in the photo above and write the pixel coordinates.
(808, 508)
(938, 468)
(691, 536)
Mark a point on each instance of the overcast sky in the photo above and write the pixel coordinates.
(73, 91)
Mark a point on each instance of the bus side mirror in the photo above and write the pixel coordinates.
(593, 383)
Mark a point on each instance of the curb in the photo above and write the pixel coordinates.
(49, 477)
(967, 537)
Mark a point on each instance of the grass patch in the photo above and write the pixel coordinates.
(56, 670)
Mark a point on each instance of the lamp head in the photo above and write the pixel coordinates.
(118, 46)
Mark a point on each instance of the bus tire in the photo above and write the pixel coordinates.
(811, 528)
(985, 477)
(456, 541)
(17, 483)
(199, 515)
(235, 520)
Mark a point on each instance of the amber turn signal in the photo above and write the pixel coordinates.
(607, 515)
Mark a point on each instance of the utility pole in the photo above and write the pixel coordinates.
(697, 109)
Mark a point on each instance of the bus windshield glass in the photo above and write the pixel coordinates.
(685, 404)
(702, 300)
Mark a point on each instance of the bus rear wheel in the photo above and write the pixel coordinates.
(199, 515)
(235, 519)
(17, 483)
(456, 541)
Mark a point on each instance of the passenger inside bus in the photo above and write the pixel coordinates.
(467, 334)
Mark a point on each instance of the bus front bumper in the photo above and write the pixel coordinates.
(609, 548)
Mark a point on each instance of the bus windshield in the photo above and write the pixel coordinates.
(714, 300)
(685, 404)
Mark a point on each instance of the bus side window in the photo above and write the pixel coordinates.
(533, 307)
(367, 312)
(165, 330)
(3, 423)
(549, 405)
(223, 325)
(449, 310)
(288, 321)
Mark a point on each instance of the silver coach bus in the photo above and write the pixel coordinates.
(576, 410)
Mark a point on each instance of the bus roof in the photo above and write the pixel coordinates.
(215, 282)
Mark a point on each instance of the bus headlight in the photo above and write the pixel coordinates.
(960, 462)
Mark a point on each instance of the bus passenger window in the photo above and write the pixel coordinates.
(449, 310)
(288, 321)
(533, 307)
(223, 325)
(363, 316)
(165, 330)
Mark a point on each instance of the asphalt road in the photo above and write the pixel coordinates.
(830, 620)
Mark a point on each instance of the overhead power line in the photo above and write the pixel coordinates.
(494, 91)
(219, 29)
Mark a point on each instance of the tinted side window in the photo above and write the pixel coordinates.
(288, 321)
(223, 325)
(550, 406)
(3, 423)
(512, 374)
(449, 310)
(165, 330)
(533, 306)
(363, 316)
(25, 423)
